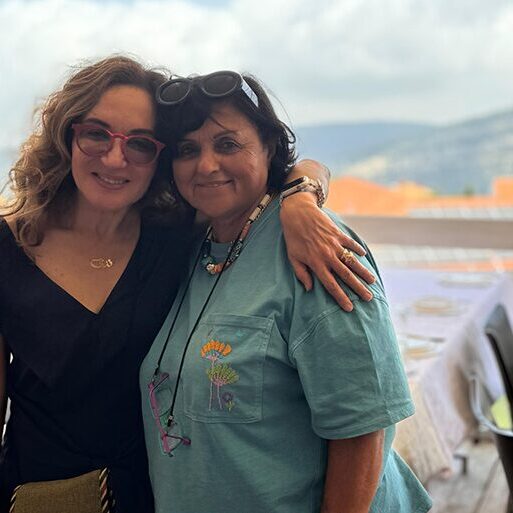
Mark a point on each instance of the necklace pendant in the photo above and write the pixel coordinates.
(101, 263)
(211, 268)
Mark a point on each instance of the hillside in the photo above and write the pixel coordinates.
(451, 159)
(338, 145)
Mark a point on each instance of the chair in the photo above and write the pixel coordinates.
(481, 402)
(500, 335)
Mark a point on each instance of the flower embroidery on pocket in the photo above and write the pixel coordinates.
(220, 374)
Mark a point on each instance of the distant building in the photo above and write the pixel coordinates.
(498, 205)
(355, 196)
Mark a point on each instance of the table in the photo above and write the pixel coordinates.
(439, 380)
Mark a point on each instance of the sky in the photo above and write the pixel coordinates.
(436, 61)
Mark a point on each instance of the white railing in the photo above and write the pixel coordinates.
(434, 232)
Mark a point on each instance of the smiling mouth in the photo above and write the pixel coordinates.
(110, 181)
(213, 185)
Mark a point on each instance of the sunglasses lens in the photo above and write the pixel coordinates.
(94, 141)
(140, 150)
(220, 84)
(174, 91)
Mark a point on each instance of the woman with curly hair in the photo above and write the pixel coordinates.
(92, 249)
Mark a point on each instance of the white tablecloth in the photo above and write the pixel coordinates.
(438, 381)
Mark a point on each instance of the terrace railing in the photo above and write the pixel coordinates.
(434, 232)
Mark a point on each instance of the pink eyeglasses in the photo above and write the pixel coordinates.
(96, 141)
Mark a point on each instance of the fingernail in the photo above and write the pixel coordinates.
(368, 296)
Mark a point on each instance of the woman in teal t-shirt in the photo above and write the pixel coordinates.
(258, 396)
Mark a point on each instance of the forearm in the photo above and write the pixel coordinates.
(352, 474)
(312, 169)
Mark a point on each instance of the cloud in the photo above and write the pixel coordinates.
(424, 60)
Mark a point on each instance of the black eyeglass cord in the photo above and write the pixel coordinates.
(189, 338)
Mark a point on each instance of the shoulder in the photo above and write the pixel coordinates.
(321, 319)
(368, 319)
(168, 243)
(10, 253)
(175, 228)
(160, 233)
(272, 231)
(7, 227)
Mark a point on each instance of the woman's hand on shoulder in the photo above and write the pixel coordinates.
(315, 243)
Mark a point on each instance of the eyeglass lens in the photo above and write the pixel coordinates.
(95, 141)
(160, 395)
(172, 438)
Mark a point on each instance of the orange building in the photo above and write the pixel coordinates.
(355, 196)
(349, 195)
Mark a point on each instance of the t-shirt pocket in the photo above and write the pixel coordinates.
(224, 369)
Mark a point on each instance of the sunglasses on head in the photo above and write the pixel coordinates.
(214, 85)
(96, 141)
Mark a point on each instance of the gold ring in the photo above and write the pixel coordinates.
(347, 256)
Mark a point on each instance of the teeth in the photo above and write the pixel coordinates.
(111, 181)
(214, 184)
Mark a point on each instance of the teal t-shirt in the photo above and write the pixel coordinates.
(271, 374)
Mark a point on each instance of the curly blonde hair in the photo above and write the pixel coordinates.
(41, 182)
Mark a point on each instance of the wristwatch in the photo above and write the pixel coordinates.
(304, 184)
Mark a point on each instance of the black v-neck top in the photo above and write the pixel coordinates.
(73, 378)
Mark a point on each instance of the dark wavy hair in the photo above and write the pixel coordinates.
(175, 121)
(41, 182)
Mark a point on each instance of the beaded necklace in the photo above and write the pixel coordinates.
(207, 260)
